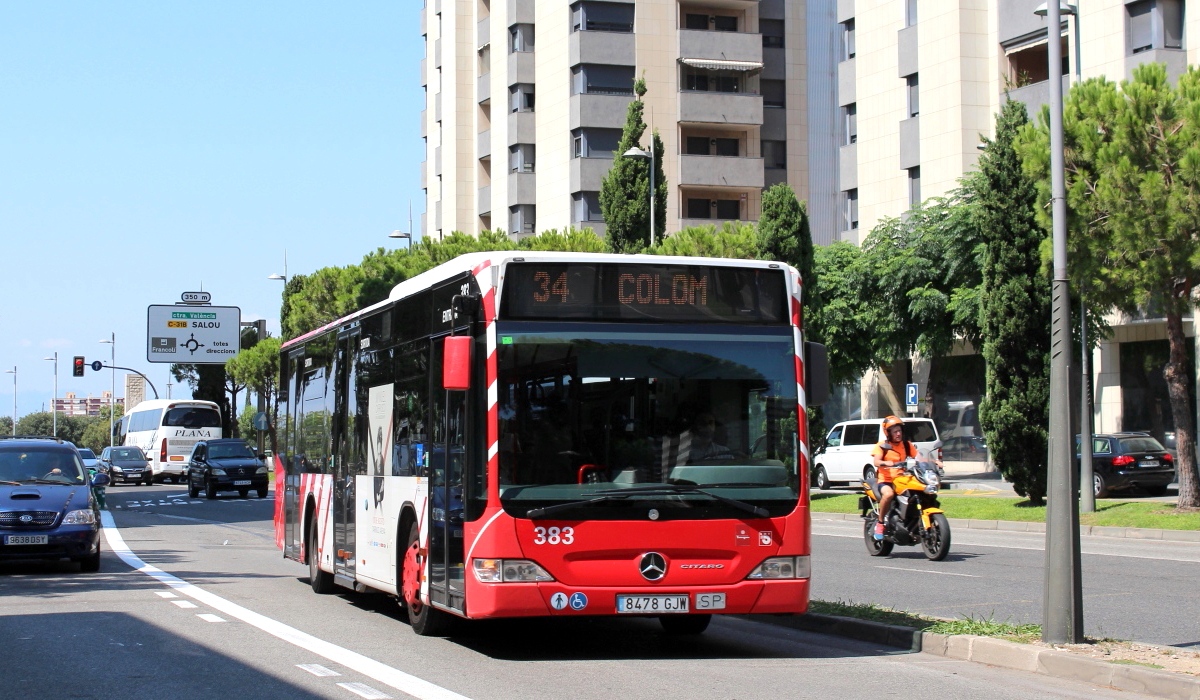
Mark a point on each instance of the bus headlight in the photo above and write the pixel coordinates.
(782, 568)
(79, 517)
(509, 571)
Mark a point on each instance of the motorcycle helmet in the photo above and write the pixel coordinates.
(890, 422)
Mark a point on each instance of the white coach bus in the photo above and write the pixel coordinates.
(166, 430)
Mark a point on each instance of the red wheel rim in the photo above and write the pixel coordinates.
(411, 585)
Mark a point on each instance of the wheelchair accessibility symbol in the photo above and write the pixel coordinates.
(578, 601)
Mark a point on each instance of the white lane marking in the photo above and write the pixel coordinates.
(406, 683)
(926, 571)
(187, 604)
(209, 617)
(164, 594)
(365, 691)
(318, 670)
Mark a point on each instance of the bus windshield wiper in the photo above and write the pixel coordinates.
(676, 489)
(535, 513)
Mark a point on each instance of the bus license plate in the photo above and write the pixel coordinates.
(242, 483)
(1148, 463)
(26, 539)
(652, 604)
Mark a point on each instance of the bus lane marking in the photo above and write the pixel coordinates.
(395, 678)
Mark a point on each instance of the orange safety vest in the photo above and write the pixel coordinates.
(887, 452)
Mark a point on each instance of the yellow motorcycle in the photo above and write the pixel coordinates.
(915, 515)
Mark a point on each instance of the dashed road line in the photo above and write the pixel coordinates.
(392, 677)
(164, 594)
(365, 691)
(187, 604)
(209, 617)
(318, 670)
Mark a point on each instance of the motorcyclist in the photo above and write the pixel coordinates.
(889, 457)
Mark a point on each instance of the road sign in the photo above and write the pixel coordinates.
(202, 335)
(910, 397)
(97, 365)
(261, 422)
(196, 297)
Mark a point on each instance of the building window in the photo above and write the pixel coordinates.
(585, 206)
(705, 22)
(850, 124)
(596, 79)
(914, 186)
(594, 143)
(774, 154)
(520, 38)
(521, 97)
(847, 40)
(910, 13)
(774, 93)
(850, 210)
(1154, 24)
(772, 31)
(698, 208)
(700, 79)
(914, 96)
(521, 218)
(712, 146)
(602, 17)
(521, 157)
(728, 209)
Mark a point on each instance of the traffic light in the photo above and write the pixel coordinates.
(78, 366)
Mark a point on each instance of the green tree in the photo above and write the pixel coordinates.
(625, 190)
(784, 235)
(1015, 313)
(1132, 161)
(257, 368)
(6, 425)
(40, 423)
(732, 240)
(572, 241)
(845, 319)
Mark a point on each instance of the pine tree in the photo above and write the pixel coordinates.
(625, 191)
(1015, 314)
(783, 234)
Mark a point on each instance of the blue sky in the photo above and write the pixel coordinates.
(151, 148)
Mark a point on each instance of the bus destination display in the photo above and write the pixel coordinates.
(643, 292)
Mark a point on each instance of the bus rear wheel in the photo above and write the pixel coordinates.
(679, 625)
(425, 620)
(321, 581)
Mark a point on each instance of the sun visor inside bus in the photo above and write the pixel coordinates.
(456, 363)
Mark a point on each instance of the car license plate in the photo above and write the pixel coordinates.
(1148, 463)
(242, 483)
(26, 539)
(652, 604)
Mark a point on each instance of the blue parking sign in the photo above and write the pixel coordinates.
(910, 395)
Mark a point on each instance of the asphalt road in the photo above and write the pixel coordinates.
(1132, 589)
(202, 605)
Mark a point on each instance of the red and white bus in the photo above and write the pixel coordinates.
(625, 433)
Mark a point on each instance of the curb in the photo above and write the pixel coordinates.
(1134, 533)
(1000, 653)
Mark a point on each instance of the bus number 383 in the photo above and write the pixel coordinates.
(553, 535)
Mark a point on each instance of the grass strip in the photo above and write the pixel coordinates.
(1145, 514)
(977, 626)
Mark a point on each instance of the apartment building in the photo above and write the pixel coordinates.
(73, 405)
(918, 83)
(526, 99)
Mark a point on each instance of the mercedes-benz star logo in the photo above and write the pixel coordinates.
(653, 566)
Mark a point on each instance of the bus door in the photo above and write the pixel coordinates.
(345, 443)
(446, 460)
(291, 484)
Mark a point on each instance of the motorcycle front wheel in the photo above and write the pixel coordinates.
(876, 548)
(936, 542)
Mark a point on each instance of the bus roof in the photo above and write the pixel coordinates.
(149, 404)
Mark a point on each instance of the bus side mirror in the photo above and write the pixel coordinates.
(816, 374)
(456, 363)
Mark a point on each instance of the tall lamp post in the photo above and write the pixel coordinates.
(112, 396)
(13, 372)
(54, 403)
(401, 234)
(635, 152)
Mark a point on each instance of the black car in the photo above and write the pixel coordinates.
(227, 464)
(47, 508)
(1129, 460)
(126, 465)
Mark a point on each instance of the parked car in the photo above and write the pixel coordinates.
(47, 510)
(1129, 460)
(226, 464)
(126, 465)
(846, 456)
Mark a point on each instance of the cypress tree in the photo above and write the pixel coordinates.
(784, 235)
(625, 190)
(1015, 314)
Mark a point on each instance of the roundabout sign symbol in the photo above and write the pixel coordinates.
(192, 344)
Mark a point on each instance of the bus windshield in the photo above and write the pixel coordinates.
(192, 417)
(687, 425)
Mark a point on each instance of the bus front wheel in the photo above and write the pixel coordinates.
(425, 621)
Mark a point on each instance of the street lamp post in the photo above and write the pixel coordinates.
(401, 234)
(112, 396)
(54, 403)
(13, 372)
(635, 152)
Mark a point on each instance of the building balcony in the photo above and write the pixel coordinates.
(437, 53)
(485, 200)
(520, 11)
(483, 148)
(848, 167)
(522, 128)
(483, 31)
(521, 67)
(720, 171)
(484, 88)
(1037, 94)
(588, 173)
(846, 77)
(522, 188)
(606, 111)
(696, 107)
(424, 69)
(725, 46)
(608, 48)
(437, 160)
(910, 143)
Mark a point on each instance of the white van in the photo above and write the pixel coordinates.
(166, 430)
(846, 456)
